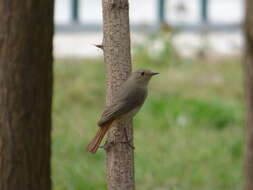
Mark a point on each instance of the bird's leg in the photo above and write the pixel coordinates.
(127, 140)
(108, 145)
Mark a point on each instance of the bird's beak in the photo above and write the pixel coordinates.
(154, 73)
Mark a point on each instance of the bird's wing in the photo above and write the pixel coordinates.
(123, 105)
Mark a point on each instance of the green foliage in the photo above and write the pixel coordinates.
(188, 135)
(194, 112)
(157, 49)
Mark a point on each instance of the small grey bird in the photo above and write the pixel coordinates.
(128, 100)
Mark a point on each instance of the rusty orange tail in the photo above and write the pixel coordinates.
(95, 142)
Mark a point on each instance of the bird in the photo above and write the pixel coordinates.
(127, 102)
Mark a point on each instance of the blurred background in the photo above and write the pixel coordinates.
(189, 134)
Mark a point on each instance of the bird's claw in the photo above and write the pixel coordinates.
(108, 145)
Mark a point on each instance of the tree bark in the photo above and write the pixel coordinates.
(117, 56)
(26, 31)
(248, 70)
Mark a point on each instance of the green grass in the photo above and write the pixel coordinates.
(188, 135)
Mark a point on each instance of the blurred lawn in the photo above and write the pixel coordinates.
(188, 135)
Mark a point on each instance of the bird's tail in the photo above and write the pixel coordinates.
(95, 142)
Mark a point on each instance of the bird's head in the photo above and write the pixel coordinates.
(143, 76)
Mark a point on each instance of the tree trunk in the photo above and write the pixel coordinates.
(117, 56)
(248, 70)
(26, 31)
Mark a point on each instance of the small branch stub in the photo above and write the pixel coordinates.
(99, 46)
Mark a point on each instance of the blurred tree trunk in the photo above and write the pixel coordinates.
(26, 31)
(248, 69)
(116, 45)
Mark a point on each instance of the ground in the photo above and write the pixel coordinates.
(188, 136)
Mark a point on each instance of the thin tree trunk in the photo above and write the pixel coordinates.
(248, 70)
(116, 45)
(26, 31)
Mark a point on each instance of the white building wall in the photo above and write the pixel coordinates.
(145, 11)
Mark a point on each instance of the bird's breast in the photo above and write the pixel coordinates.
(131, 114)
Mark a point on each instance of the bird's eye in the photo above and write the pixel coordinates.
(142, 73)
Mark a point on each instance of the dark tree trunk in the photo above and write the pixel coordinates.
(248, 70)
(116, 45)
(26, 31)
